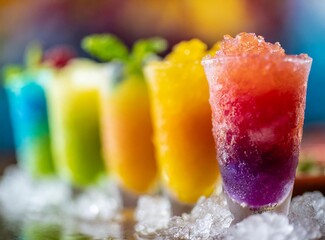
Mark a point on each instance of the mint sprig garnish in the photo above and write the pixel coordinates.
(142, 50)
(107, 47)
(144, 47)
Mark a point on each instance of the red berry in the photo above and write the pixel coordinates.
(59, 56)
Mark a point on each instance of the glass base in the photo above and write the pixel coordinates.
(129, 199)
(241, 211)
(76, 191)
(178, 208)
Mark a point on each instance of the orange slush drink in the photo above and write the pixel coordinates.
(73, 97)
(127, 130)
(182, 123)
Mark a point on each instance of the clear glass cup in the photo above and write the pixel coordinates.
(73, 103)
(29, 117)
(182, 129)
(258, 105)
(127, 133)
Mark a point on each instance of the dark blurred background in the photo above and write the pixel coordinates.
(298, 24)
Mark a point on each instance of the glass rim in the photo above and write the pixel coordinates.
(300, 59)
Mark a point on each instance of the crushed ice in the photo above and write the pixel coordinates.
(95, 212)
(21, 195)
(307, 214)
(151, 214)
(266, 226)
(208, 218)
(100, 203)
(92, 212)
(211, 219)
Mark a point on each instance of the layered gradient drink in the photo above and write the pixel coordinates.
(30, 121)
(182, 123)
(257, 96)
(73, 97)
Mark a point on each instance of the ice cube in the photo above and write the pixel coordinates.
(20, 195)
(215, 206)
(152, 213)
(211, 219)
(94, 229)
(202, 227)
(265, 226)
(97, 203)
(102, 230)
(48, 196)
(208, 219)
(178, 228)
(14, 188)
(307, 214)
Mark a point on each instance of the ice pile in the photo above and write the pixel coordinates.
(211, 219)
(208, 218)
(93, 230)
(21, 196)
(268, 226)
(93, 212)
(307, 214)
(152, 214)
(101, 204)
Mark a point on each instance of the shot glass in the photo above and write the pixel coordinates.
(258, 104)
(29, 117)
(73, 103)
(127, 133)
(182, 130)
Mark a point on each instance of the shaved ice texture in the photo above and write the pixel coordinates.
(248, 44)
(257, 96)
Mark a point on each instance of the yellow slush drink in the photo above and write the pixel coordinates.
(182, 123)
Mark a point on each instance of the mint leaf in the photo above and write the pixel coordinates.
(145, 47)
(105, 47)
(33, 55)
(142, 50)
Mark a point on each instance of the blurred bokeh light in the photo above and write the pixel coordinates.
(299, 25)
